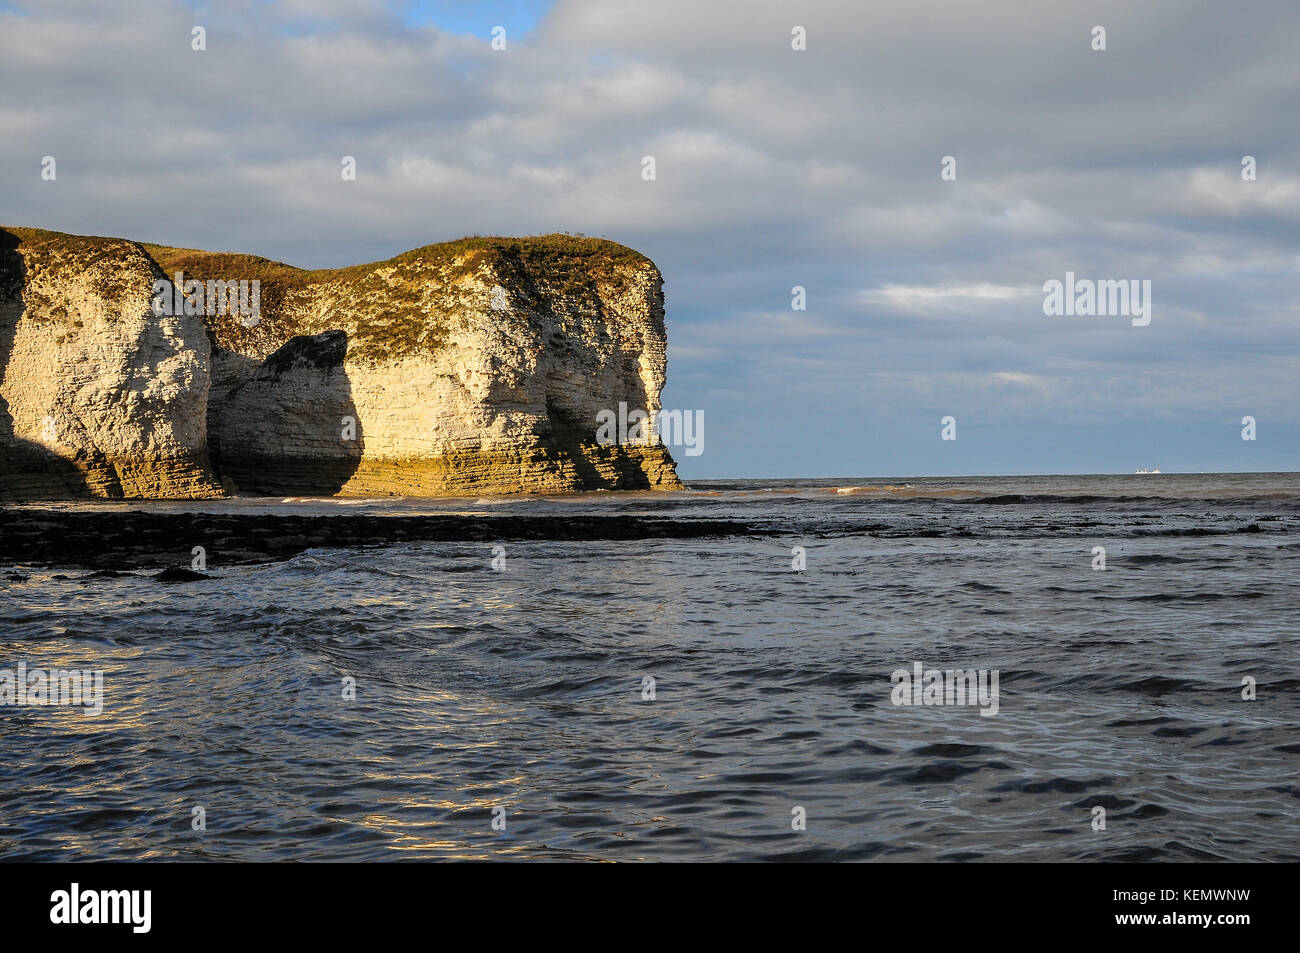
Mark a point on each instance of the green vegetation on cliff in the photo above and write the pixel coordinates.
(41, 252)
(407, 304)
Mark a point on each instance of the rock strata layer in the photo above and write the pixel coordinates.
(470, 367)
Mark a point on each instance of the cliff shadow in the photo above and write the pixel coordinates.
(291, 428)
(28, 470)
(574, 441)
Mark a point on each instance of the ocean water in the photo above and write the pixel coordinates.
(522, 694)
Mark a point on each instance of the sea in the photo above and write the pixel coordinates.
(776, 696)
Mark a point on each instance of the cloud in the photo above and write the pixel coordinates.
(924, 299)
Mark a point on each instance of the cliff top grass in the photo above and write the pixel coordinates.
(555, 251)
(402, 304)
(406, 304)
(28, 251)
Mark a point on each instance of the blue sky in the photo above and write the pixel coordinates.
(775, 168)
(475, 19)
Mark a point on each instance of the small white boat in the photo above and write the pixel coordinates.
(1146, 471)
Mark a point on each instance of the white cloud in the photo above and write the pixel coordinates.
(929, 299)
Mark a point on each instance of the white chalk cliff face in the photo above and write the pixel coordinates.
(471, 367)
(98, 395)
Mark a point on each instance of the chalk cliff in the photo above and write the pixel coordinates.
(473, 367)
(98, 396)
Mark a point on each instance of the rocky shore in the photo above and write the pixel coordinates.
(135, 539)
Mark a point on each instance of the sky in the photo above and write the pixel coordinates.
(774, 168)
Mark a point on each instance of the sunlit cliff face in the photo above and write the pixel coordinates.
(471, 367)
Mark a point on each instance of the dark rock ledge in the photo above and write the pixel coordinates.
(133, 539)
